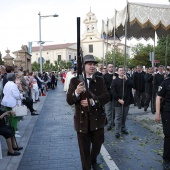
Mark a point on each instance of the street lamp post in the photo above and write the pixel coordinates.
(40, 41)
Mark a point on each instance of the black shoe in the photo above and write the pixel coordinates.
(109, 128)
(145, 109)
(117, 135)
(96, 166)
(37, 100)
(13, 154)
(34, 110)
(34, 114)
(139, 107)
(125, 132)
(166, 165)
(17, 149)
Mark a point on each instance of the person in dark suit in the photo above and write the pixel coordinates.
(162, 114)
(109, 107)
(99, 70)
(53, 81)
(121, 90)
(157, 80)
(139, 86)
(148, 88)
(89, 121)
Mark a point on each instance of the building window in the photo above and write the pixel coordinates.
(36, 53)
(59, 57)
(90, 48)
(69, 57)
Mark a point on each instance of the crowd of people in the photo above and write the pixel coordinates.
(140, 87)
(20, 88)
(111, 91)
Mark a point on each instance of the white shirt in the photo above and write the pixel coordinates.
(12, 96)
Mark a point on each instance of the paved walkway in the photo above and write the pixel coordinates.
(53, 143)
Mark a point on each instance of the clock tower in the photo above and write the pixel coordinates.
(90, 25)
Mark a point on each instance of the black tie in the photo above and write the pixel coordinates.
(89, 79)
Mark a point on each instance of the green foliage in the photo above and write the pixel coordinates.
(160, 50)
(35, 66)
(137, 48)
(119, 59)
(1, 62)
(141, 55)
(48, 66)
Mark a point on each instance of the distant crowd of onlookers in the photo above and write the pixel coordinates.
(17, 88)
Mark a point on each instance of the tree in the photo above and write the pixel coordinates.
(1, 62)
(119, 58)
(160, 50)
(35, 66)
(47, 65)
(136, 49)
(141, 55)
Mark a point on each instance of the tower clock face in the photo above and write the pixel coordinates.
(90, 28)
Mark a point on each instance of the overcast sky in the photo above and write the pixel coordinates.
(19, 20)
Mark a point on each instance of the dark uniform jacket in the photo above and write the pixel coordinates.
(139, 82)
(164, 91)
(83, 121)
(158, 79)
(98, 73)
(148, 83)
(117, 91)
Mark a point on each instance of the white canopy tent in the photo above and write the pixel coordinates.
(142, 20)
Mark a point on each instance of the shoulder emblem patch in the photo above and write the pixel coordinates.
(159, 88)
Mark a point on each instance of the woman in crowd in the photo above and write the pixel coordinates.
(12, 97)
(6, 132)
(24, 89)
(34, 87)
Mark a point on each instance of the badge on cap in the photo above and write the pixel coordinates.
(159, 88)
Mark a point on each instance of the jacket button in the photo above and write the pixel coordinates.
(94, 89)
(96, 128)
(73, 94)
(81, 121)
(96, 109)
(80, 130)
(96, 119)
(95, 101)
(82, 112)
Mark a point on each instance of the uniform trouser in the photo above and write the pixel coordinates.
(134, 97)
(120, 118)
(154, 101)
(148, 98)
(140, 97)
(53, 84)
(89, 153)
(110, 113)
(166, 126)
